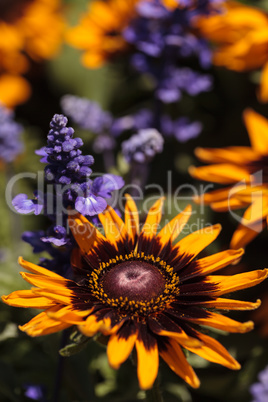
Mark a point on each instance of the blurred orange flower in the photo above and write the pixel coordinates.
(240, 35)
(26, 34)
(245, 168)
(99, 32)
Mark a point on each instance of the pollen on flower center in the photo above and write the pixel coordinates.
(136, 280)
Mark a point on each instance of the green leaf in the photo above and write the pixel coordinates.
(79, 343)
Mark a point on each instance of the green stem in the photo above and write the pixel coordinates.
(154, 394)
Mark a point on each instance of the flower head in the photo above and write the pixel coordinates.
(67, 185)
(141, 290)
(245, 168)
(240, 35)
(142, 147)
(10, 131)
(259, 390)
(99, 32)
(162, 40)
(87, 114)
(26, 36)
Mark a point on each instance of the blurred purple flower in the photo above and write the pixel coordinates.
(102, 143)
(35, 392)
(164, 40)
(142, 147)
(10, 136)
(87, 114)
(259, 390)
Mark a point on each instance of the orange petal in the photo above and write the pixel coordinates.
(230, 203)
(214, 262)
(242, 236)
(14, 90)
(113, 225)
(173, 228)
(251, 224)
(176, 360)
(59, 296)
(119, 349)
(84, 232)
(213, 351)
(91, 325)
(131, 217)
(179, 335)
(148, 362)
(213, 196)
(182, 338)
(42, 281)
(197, 241)
(26, 298)
(231, 283)
(219, 321)
(35, 269)
(257, 127)
(153, 219)
(68, 315)
(222, 173)
(43, 325)
(229, 304)
(237, 155)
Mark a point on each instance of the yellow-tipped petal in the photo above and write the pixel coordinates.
(257, 127)
(231, 304)
(35, 269)
(174, 357)
(27, 298)
(173, 228)
(43, 325)
(231, 283)
(222, 173)
(42, 281)
(219, 321)
(239, 155)
(68, 315)
(215, 262)
(148, 362)
(119, 348)
(197, 241)
(84, 232)
(213, 351)
(153, 219)
(91, 325)
(113, 225)
(131, 217)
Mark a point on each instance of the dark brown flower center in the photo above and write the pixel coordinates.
(136, 280)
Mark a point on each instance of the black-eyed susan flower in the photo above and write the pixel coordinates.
(141, 291)
(99, 33)
(245, 168)
(240, 35)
